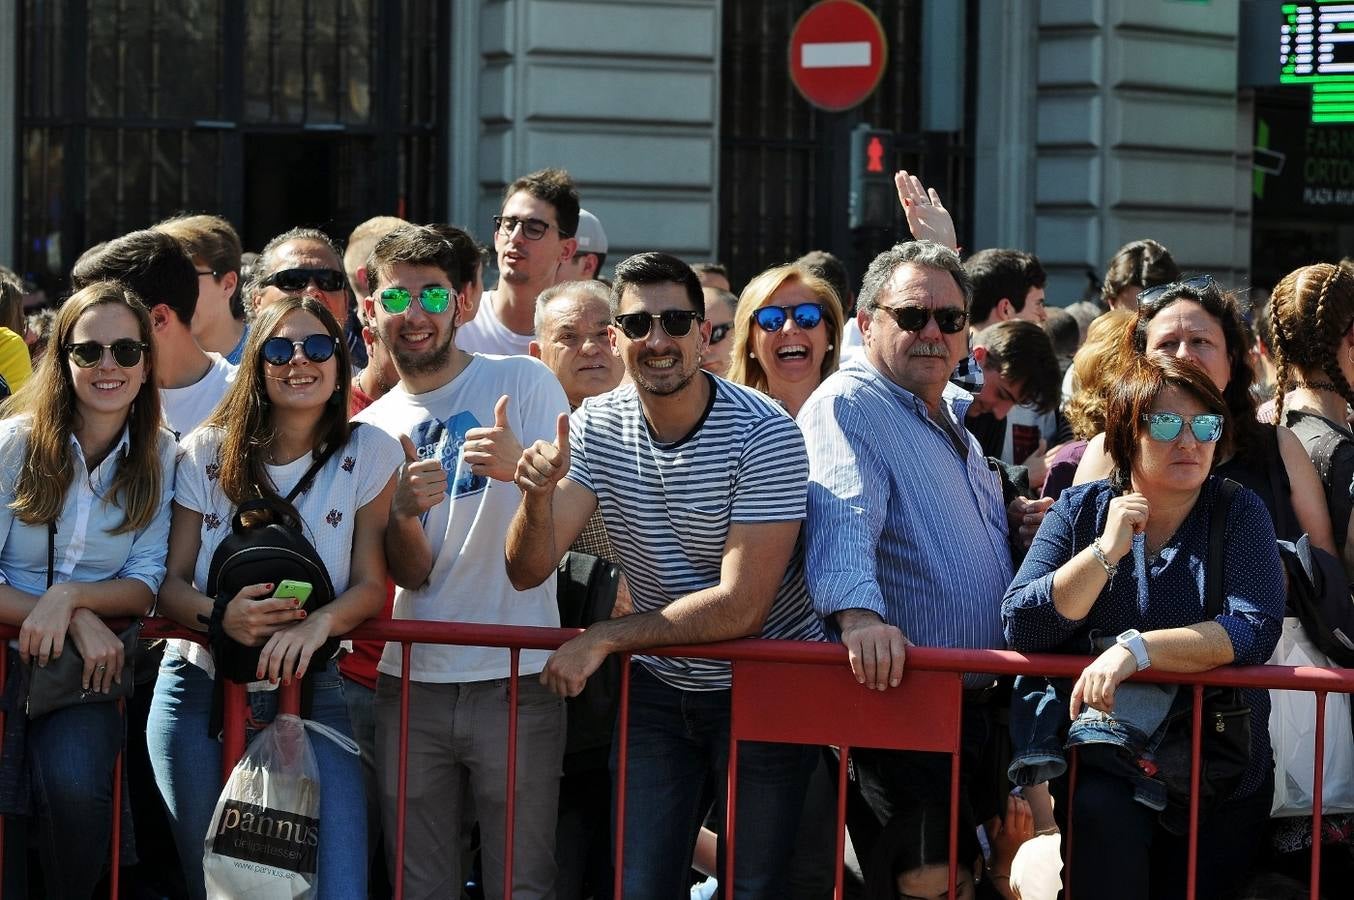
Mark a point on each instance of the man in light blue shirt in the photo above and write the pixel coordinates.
(907, 532)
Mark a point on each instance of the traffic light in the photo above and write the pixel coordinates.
(873, 199)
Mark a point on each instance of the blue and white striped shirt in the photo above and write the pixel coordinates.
(668, 507)
(899, 523)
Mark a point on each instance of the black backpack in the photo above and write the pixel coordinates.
(271, 549)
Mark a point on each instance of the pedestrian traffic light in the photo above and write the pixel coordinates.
(873, 200)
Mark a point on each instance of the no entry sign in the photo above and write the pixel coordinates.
(837, 54)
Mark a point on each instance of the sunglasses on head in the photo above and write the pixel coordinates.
(532, 229)
(316, 347)
(296, 279)
(772, 318)
(676, 322)
(88, 354)
(1198, 284)
(949, 319)
(396, 300)
(719, 332)
(1167, 426)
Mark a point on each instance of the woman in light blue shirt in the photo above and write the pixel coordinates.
(81, 451)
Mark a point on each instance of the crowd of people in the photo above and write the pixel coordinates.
(939, 458)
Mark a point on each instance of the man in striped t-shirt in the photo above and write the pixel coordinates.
(701, 484)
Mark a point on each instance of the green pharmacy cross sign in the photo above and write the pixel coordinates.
(1317, 48)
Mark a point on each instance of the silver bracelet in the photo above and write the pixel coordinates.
(1110, 568)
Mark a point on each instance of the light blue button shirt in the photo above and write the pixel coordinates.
(86, 551)
(899, 522)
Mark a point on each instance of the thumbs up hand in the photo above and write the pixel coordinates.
(422, 485)
(545, 463)
(493, 451)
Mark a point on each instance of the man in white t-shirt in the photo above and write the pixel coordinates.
(533, 235)
(155, 266)
(444, 543)
(702, 488)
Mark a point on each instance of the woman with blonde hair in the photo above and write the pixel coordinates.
(786, 334)
(1094, 370)
(287, 406)
(86, 476)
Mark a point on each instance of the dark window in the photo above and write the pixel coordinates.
(272, 113)
(783, 162)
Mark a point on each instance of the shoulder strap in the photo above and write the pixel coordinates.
(51, 553)
(1217, 532)
(318, 464)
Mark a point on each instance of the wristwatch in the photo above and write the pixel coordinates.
(1133, 642)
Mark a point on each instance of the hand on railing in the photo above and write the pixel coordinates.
(876, 650)
(100, 649)
(252, 616)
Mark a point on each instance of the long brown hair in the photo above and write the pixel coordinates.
(1310, 311)
(245, 413)
(48, 399)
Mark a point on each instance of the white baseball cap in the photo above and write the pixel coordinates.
(591, 238)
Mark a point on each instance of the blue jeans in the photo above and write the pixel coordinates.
(187, 767)
(678, 764)
(70, 757)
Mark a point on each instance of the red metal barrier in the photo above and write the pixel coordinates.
(836, 711)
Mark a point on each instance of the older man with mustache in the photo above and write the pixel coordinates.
(907, 533)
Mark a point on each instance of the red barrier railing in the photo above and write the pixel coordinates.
(844, 714)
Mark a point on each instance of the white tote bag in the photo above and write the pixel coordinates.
(1292, 730)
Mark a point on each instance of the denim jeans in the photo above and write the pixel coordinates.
(678, 756)
(70, 756)
(188, 771)
(362, 715)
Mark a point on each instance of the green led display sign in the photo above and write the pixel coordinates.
(1317, 48)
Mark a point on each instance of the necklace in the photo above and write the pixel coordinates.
(1318, 386)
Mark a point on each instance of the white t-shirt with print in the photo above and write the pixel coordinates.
(186, 408)
(486, 334)
(352, 478)
(467, 531)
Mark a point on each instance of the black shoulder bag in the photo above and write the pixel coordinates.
(58, 684)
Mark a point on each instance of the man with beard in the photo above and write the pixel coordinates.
(534, 234)
(901, 500)
(701, 485)
(444, 544)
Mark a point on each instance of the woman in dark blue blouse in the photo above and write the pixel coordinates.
(1122, 562)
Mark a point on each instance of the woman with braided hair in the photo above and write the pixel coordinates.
(1312, 320)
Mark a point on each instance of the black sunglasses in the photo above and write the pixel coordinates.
(88, 354)
(1198, 284)
(296, 279)
(316, 347)
(949, 319)
(532, 229)
(719, 332)
(676, 322)
(772, 318)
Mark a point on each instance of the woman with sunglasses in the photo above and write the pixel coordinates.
(289, 402)
(1196, 320)
(1119, 568)
(785, 334)
(85, 464)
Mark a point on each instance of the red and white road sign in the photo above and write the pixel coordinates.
(837, 54)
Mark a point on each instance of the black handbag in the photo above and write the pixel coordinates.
(57, 685)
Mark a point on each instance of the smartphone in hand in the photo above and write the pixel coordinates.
(287, 589)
